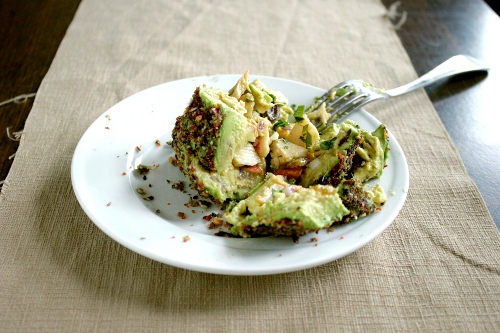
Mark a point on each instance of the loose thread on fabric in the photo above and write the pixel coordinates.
(18, 99)
(16, 136)
(393, 14)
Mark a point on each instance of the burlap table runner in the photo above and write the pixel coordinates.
(437, 268)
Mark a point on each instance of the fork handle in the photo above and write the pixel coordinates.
(453, 66)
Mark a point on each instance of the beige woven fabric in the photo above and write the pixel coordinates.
(437, 268)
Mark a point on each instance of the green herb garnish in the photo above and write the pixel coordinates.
(280, 123)
(306, 136)
(327, 144)
(299, 113)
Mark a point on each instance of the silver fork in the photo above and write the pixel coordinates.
(350, 95)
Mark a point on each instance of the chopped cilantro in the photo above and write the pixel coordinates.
(272, 95)
(306, 136)
(280, 123)
(328, 144)
(299, 113)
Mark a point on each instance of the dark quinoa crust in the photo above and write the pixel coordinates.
(355, 198)
(346, 166)
(196, 134)
(284, 227)
(198, 131)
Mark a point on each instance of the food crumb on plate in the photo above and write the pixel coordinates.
(186, 238)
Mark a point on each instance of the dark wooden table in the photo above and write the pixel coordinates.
(434, 31)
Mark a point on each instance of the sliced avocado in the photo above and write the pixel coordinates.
(374, 151)
(334, 165)
(205, 139)
(359, 199)
(263, 101)
(279, 209)
(351, 154)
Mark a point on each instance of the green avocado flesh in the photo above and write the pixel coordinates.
(205, 139)
(276, 176)
(280, 209)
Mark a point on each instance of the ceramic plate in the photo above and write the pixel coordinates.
(161, 225)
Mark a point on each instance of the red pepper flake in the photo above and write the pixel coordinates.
(314, 239)
(158, 143)
(185, 238)
(182, 215)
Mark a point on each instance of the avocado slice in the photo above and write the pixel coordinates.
(359, 199)
(205, 139)
(263, 101)
(373, 153)
(277, 208)
(349, 153)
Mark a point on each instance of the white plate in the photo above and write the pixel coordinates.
(105, 185)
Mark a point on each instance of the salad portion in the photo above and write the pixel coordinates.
(277, 169)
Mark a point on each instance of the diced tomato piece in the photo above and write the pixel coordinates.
(290, 173)
(256, 144)
(252, 169)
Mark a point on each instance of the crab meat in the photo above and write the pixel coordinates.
(246, 156)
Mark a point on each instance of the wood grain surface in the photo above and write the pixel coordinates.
(31, 32)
